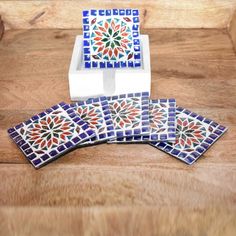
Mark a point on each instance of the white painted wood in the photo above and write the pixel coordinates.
(95, 82)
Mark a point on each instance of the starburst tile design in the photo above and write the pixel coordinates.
(95, 111)
(111, 38)
(130, 114)
(194, 136)
(162, 123)
(50, 134)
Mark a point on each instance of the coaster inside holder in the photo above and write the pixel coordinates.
(111, 57)
(111, 38)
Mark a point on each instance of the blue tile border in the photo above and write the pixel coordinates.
(38, 161)
(189, 158)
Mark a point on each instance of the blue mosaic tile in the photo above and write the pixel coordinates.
(47, 136)
(95, 112)
(194, 136)
(111, 38)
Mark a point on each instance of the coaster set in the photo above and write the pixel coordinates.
(111, 40)
(126, 118)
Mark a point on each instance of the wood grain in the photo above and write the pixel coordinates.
(207, 184)
(115, 221)
(232, 30)
(110, 185)
(154, 13)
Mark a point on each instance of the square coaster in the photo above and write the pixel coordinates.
(48, 135)
(130, 114)
(194, 136)
(162, 123)
(95, 111)
(111, 38)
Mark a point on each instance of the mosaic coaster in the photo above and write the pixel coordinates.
(111, 38)
(50, 134)
(130, 114)
(194, 136)
(95, 111)
(162, 123)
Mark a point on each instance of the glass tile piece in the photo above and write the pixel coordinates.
(130, 114)
(111, 38)
(95, 112)
(48, 135)
(162, 123)
(194, 136)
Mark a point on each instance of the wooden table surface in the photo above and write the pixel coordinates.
(119, 189)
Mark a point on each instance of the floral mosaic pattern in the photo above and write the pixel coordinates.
(111, 38)
(92, 114)
(162, 123)
(50, 134)
(126, 113)
(190, 133)
(95, 112)
(162, 119)
(157, 117)
(130, 114)
(195, 134)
